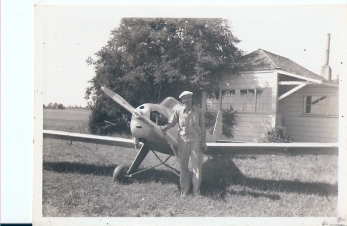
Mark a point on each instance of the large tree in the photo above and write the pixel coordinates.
(147, 60)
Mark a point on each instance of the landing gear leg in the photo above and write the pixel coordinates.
(141, 155)
(120, 174)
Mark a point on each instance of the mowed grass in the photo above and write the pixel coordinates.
(79, 184)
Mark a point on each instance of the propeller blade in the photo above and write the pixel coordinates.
(118, 99)
(138, 114)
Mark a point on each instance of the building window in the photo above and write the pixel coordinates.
(246, 100)
(263, 100)
(243, 100)
(255, 100)
(228, 99)
(321, 105)
(212, 104)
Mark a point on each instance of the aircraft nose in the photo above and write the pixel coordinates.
(138, 129)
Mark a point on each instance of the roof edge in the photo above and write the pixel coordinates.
(300, 76)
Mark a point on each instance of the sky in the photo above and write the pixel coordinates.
(66, 35)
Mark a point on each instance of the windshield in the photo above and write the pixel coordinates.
(171, 103)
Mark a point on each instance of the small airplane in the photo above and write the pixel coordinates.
(145, 126)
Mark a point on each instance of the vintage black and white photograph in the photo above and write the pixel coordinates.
(188, 111)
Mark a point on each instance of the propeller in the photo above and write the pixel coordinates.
(138, 114)
(120, 100)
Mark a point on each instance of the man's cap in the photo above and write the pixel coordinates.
(185, 93)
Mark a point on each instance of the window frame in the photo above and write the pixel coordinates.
(234, 96)
(210, 103)
(255, 100)
(327, 108)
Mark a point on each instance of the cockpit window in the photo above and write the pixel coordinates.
(158, 118)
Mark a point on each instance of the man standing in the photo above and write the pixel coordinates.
(191, 142)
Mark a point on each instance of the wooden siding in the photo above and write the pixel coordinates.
(279, 119)
(253, 127)
(249, 80)
(309, 128)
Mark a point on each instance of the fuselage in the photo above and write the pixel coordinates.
(145, 133)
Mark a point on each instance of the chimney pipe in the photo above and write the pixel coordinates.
(327, 51)
(326, 70)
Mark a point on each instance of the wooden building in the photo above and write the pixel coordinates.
(271, 91)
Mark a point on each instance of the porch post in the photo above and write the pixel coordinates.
(274, 105)
(220, 99)
(203, 99)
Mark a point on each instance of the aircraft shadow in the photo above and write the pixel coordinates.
(81, 168)
(220, 173)
(150, 175)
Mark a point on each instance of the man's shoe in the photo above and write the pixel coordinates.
(184, 195)
(197, 194)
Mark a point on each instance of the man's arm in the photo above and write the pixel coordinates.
(172, 121)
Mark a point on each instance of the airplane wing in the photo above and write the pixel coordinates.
(88, 138)
(272, 148)
(219, 148)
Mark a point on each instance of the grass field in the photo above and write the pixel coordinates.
(79, 184)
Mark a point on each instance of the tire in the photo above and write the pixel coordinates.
(119, 174)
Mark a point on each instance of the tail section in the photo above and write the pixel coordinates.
(217, 130)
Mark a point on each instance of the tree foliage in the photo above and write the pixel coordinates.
(147, 60)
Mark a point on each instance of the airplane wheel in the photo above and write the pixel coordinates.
(119, 174)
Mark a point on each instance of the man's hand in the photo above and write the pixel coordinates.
(163, 128)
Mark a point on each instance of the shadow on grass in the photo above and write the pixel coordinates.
(157, 176)
(220, 173)
(253, 194)
(81, 168)
(150, 175)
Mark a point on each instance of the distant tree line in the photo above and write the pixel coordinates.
(61, 106)
(54, 106)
